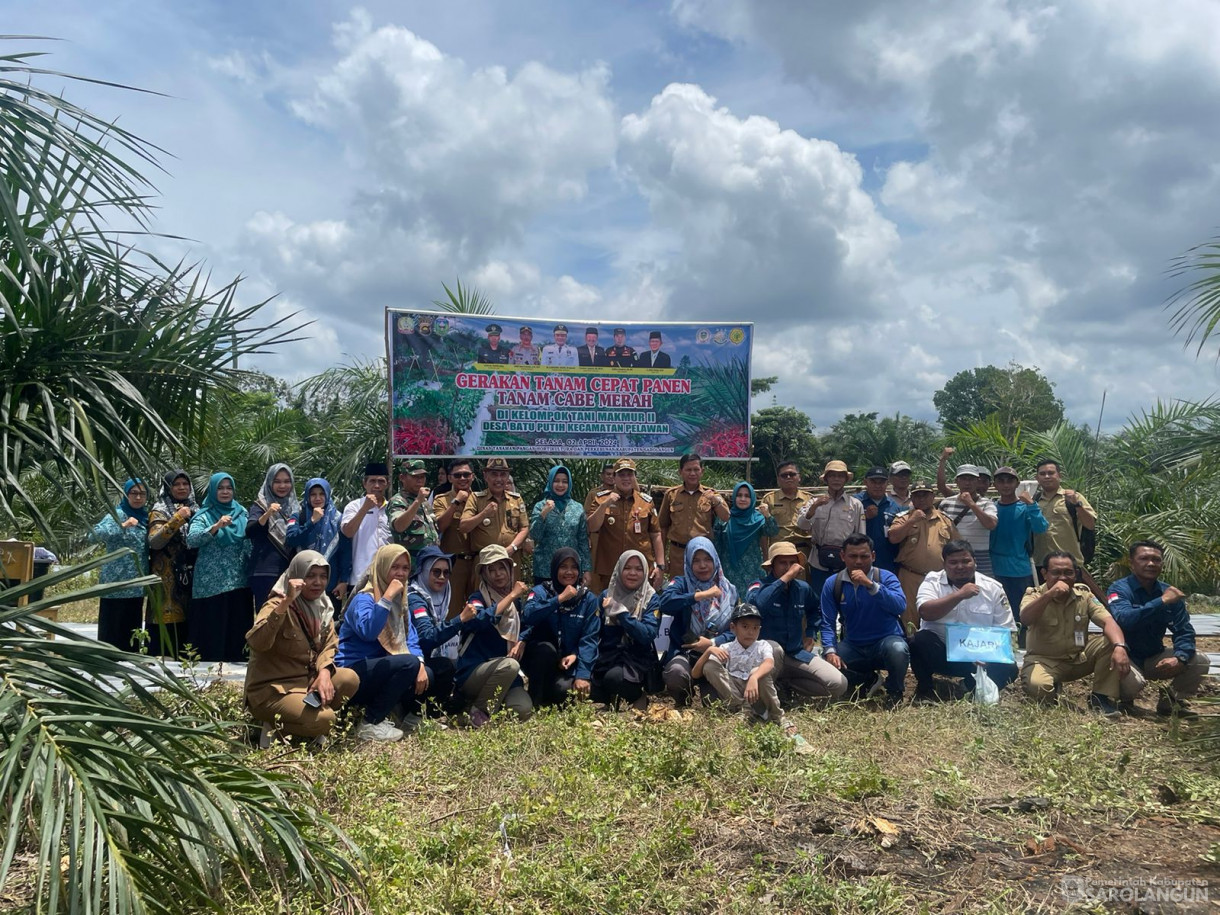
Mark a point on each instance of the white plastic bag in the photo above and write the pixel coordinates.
(985, 690)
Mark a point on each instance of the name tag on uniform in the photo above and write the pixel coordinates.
(1079, 639)
(637, 525)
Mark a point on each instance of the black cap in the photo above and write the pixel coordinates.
(620, 330)
(494, 329)
(877, 473)
(746, 612)
(655, 335)
(376, 469)
(591, 330)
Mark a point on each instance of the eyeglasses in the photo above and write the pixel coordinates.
(788, 475)
(461, 476)
(442, 573)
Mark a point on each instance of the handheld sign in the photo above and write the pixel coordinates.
(984, 644)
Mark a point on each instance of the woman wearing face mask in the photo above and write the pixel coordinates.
(558, 520)
(377, 641)
(172, 560)
(701, 602)
(271, 527)
(626, 658)
(739, 540)
(490, 646)
(292, 681)
(221, 607)
(563, 624)
(120, 613)
(428, 599)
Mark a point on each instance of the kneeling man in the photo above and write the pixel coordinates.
(1060, 649)
(957, 594)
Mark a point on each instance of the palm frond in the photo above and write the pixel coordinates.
(466, 300)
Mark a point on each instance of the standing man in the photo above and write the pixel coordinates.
(1058, 613)
(879, 513)
(900, 483)
(364, 520)
(412, 523)
(688, 510)
(959, 594)
(1018, 521)
(559, 352)
(525, 352)
(870, 602)
(920, 534)
(491, 353)
(1067, 514)
(1145, 608)
(790, 623)
(828, 520)
(591, 354)
(495, 515)
(448, 508)
(654, 358)
(785, 505)
(625, 519)
(621, 356)
(973, 515)
(607, 484)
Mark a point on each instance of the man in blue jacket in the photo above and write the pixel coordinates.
(1145, 607)
(879, 513)
(790, 623)
(870, 602)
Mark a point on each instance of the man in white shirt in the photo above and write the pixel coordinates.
(974, 515)
(958, 594)
(364, 520)
(560, 352)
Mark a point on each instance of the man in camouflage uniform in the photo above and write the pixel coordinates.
(624, 518)
(412, 523)
(495, 515)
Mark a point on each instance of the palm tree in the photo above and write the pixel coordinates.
(120, 791)
(1196, 306)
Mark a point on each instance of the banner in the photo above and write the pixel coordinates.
(988, 644)
(520, 387)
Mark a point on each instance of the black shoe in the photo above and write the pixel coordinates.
(1170, 705)
(1103, 704)
(892, 700)
(926, 696)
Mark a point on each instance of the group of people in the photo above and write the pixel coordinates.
(559, 352)
(417, 603)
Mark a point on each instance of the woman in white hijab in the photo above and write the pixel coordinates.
(292, 680)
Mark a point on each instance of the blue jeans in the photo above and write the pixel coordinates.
(862, 660)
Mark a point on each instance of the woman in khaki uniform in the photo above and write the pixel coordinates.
(292, 654)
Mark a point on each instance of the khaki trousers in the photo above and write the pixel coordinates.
(293, 717)
(733, 691)
(910, 582)
(490, 686)
(1041, 675)
(1184, 684)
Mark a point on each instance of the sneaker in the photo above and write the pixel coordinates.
(1103, 704)
(1169, 705)
(892, 700)
(878, 686)
(411, 723)
(926, 697)
(478, 717)
(383, 730)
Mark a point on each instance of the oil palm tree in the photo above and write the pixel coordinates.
(119, 791)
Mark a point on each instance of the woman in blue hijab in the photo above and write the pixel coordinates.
(739, 539)
(222, 608)
(558, 520)
(121, 612)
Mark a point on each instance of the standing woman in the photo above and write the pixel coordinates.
(122, 612)
(558, 520)
(701, 602)
(377, 641)
(564, 622)
(172, 560)
(271, 527)
(221, 607)
(292, 654)
(739, 539)
(626, 658)
(317, 527)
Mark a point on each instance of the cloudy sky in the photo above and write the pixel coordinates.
(892, 191)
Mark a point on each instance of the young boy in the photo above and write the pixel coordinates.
(742, 672)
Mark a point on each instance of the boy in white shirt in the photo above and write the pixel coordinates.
(742, 672)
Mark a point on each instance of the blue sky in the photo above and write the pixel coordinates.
(891, 192)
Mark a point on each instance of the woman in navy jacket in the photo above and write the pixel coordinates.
(563, 622)
(626, 657)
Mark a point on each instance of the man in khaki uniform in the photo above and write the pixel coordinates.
(1059, 647)
(448, 508)
(1057, 505)
(687, 511)
(785, 504)
(624, 518)
(920, 534)
(607, 485)
(495, 515)
(828, 520)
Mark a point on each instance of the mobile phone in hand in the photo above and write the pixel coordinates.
(313, 699)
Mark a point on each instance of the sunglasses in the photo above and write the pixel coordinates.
(461, 476)
(443, 573)
(789, 475)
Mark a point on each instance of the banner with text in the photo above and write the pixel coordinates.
(522, 387)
